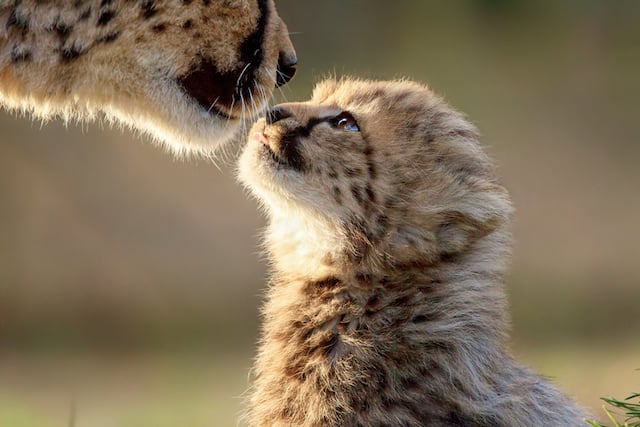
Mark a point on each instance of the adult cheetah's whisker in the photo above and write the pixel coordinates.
(284, 97)
(243, 113)
(213, 105)
(246, 67)
(253, 107)
(263, 95)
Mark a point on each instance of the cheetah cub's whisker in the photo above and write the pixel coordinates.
(388, 234)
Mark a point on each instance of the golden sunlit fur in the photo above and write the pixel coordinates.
(389, 239)
(186, 72)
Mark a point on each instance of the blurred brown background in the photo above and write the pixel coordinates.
(130, 281)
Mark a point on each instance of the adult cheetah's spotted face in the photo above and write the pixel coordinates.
(388, 161)
(189, 72)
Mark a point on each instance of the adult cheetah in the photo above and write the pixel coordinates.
(187, 72)
(389, 240)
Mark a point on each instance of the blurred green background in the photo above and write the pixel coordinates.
(130, 281)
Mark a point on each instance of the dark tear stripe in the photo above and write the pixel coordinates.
(370, 205)
(371, 166)
(290, 150)
(368, 153)
(210, 87)
(313, 122)
(289, 154)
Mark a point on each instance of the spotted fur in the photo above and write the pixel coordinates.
(186, 72)
(389, 248)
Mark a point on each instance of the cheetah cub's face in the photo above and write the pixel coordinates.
(377, 172)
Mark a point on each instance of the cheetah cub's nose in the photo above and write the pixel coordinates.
(276, 114)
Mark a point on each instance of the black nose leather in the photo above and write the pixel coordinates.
(286, 69)
(276, 114)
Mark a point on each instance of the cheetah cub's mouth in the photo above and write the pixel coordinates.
(275, 150)
(271, 149)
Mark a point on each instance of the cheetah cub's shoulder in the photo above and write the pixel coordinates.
(388, 233)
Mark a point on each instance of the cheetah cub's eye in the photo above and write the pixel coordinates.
(345, 121)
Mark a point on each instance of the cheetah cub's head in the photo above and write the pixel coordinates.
(377, 173)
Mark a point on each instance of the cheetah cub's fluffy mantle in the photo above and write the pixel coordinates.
(388, 234)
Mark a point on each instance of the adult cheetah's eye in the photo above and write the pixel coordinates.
(345, 121)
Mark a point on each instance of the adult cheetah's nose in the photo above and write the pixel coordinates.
(276, 114)
(286, 69)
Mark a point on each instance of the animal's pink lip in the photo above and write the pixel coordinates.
(260, 137)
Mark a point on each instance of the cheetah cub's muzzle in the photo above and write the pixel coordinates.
(294, 151)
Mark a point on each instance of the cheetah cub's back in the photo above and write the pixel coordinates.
(388, 236)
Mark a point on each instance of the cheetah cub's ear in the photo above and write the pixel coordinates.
(477, 215)
(449, 219)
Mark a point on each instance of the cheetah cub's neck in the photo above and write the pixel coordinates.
(388, 233)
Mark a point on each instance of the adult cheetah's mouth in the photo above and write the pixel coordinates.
(212, 89)
(238, 89)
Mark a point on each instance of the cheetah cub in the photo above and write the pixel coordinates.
(388, 236)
